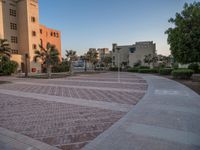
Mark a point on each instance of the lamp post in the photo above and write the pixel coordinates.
(118, 49)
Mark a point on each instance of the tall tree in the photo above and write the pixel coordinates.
(107, 60)
(49, 56)
(184, 38)
(92, 57)
(71, 56)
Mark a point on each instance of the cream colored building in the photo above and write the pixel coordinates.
(19, 24)
(128, 55)
(103, 52)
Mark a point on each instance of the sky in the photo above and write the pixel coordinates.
(88, 24)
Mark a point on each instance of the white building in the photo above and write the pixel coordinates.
(129, 55)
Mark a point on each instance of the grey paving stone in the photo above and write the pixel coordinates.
(152, 124)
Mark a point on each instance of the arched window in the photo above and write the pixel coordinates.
(41, 42)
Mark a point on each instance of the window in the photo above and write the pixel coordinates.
(54, 34)
(57, 35)
(51, 33)
(13, 26)
(14, 39)
(33, 19)
(40, 31)
(41, 42)
(113, 58)
(13, 12)
(14, 51)
(34, 46)
(113, 50)
(33, 33)
(132, 50)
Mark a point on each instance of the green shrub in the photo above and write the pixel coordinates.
(144, 67)
(9, 67)
(165, 71)
(135, 69)
(60, 68)
(113, 69)
(175, 66)
(194, 67)
(148, 70)
(182, 73)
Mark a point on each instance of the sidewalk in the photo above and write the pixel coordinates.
(167, 118)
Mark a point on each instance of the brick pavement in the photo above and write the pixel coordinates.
(65, 125)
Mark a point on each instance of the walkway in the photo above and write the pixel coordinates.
(167, 118)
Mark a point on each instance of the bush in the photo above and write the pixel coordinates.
(148, 70)
(175, 66)
(182, 73)
(144, 67)
(113, 69)
(135, 69)
(9, 67)
(60, 68)
(165, 71)
(194, 67)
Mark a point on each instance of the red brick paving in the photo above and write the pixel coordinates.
(66, 126)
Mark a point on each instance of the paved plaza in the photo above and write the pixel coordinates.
(96, 112)
(67, 113)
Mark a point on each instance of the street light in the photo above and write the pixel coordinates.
(118, 49)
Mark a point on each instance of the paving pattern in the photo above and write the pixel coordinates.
(67, 125)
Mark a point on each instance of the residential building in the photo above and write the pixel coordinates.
(19, 24)
(52, 36)
(129, 55)
(103, 52)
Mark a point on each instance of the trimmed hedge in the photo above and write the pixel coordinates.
(148, 70)
(194, 67)
(182, 73)
(113, 69)
(60, 68)
(144, 67)
(165, 71)
(132, 70)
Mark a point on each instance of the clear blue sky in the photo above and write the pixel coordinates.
(88, 24)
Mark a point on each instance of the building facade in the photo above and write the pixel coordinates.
(48, 35)
(19, 24)
(103, 52)
(129, 55)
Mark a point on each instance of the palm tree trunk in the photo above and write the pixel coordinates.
(85, 66)
(70, 67)
(49, 71)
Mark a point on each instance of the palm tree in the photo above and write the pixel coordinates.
(48, 56)
(154, 60)
(4, 48)
(151, 59)
(71, 56)
(107, 60)
(148, 59)
(4, 51)
(92, 57)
